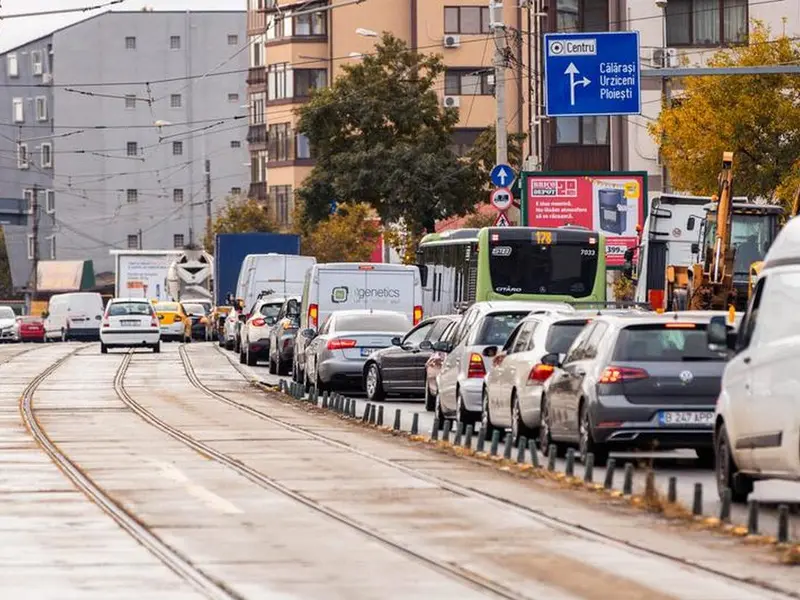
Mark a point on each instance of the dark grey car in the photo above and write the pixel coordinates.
(634, 382)
(281, 337)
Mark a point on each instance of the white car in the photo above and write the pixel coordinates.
(9, 326)
(757, 420)
(254, 335)
(130, 323)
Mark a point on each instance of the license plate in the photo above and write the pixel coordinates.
(367, 351)
(705, 418)
(129, 323)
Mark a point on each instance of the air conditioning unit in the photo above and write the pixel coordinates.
(47, 78)
(452, 101)
(452, 41)
(657, 57)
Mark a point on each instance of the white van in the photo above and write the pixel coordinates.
(332, 287)
(282, 274)
(74, 316)
(757, 422)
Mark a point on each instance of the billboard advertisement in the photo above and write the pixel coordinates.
(144, 275)
(612, 204)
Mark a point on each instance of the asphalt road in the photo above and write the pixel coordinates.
(681, 464)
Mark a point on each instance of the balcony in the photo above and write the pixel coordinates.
(257, 76)
(258, 191)
(257, 134)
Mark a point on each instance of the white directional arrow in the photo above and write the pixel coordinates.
(503, 175)
(572, 71)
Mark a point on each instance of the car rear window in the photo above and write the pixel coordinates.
(120, 309)
(195, 309)
(496, 328)
(166, 307)
(671, 342)
(270, 310)
(391, 323)
(561, 335)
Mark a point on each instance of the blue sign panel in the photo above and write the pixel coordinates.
(592, 74)
(502, 176)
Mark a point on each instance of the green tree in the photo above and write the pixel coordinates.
(239, 215)
(754, 116)
(381, 136)
(348, 236)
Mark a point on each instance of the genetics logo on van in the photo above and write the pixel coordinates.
(339, 295)
(383, 293)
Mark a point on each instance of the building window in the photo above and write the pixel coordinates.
(13, 65)
(583, 131)
(27, 196)
(130, 101)
(233, 39)
(47, 155)
(23, 160)
(50, 202)
(278, 83)
(18, 108)
(177, 148)
(31, 247)
(282, 201)
(133, 149)
(174, 42)
(133, 242)
(466, 19)
(236, 144)
(257, 109)
(132, 196)
(276, 26)
(706, 22)
(236, 191)
(41, 108)
(582, 15)
(302, 147)
(306, 80)
(311, 24)
(233, 97)
(52, 243)
(256, 55)
(175, 101)
(464, 140)
(278, 142)
(471, 82)
(177, 195)
(36, 62)
(130, 43)
(177, 240)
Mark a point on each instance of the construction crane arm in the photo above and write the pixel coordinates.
(722, 251)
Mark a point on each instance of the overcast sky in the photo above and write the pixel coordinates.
(14, 32)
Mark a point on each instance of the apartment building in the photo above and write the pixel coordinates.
(137, 105)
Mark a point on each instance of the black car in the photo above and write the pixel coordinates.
(281, 337)
(400, 368)
(634, 382)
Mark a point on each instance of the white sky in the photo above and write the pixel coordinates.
(14, 32)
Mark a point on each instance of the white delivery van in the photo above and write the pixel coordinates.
(74, 316)
(278, 274)
(332, 287)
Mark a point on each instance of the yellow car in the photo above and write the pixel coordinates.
(175, 323)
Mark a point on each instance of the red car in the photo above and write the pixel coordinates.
(31, 329)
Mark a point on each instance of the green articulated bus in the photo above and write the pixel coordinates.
(462, 266)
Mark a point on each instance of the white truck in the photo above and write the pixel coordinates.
(143, 273)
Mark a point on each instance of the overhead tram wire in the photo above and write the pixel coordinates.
(60, 11)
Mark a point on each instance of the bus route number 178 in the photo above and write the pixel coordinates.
(544, 238)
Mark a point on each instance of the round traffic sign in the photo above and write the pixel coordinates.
(501, 198)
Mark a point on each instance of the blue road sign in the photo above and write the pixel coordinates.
(592, 74)
(502, 176)
(333, 206)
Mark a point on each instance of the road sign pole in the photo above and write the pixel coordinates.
(501, 127)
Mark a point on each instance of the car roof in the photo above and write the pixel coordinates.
(520, 305)
(625, 320)
(143, 300)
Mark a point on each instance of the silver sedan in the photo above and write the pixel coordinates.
(335, 356)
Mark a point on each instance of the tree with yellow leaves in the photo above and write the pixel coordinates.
(239, 215)
(350, 235)
(754, 116)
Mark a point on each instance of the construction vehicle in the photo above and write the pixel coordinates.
(732, 236)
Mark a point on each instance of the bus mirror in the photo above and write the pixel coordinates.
(690, 222)
(627, 268)
(423, 275)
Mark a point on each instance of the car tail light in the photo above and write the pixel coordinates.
(106, 323)
(417, 315)
(313, 315)
(154, 322)
(476, 368)
(340, 344)
(178, 318)
(621, 374)
(539, 373)
(258, 322)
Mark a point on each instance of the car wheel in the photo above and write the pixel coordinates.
(587, 443)
(430, 399)
(373, 383)
(518, 427)
(438, 412)
(462, 414)
(250, 358)
(545, 437)
(272, 368)
(486, 417)
(727, 473)
(283, 368)
(242, 357)
(103, 348)
(320, 385)
(156, 347)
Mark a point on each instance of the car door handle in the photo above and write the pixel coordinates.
(746, 360)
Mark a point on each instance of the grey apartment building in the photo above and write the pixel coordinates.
(120, 115)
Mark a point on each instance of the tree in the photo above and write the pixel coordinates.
(754, 116)
(381, 136)
(350, 235)
(239, 215)
(482, 155)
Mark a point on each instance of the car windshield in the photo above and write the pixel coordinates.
(496, 328)
(120, 309)
(670, 342)
(194, 309)
(371, 322)
(561, 335)
(167, 307)
(6, 312)
(270, 310)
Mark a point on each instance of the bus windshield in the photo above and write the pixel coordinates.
(522, 267)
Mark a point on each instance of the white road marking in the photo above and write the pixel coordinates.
(203, 494)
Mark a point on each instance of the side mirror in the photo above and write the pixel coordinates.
(308, 333)
(551, 359)
(627, 267)
(426, 345)
(45, 314)
(490, 351)
(396, 341)
(423, 275)
(719, 335)
(293, 307)
(695, 249)
(690, 224)
(443, 347)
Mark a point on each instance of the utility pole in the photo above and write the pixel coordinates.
(208, 198)
(34, 284)
(498, 27)
(662, 4)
